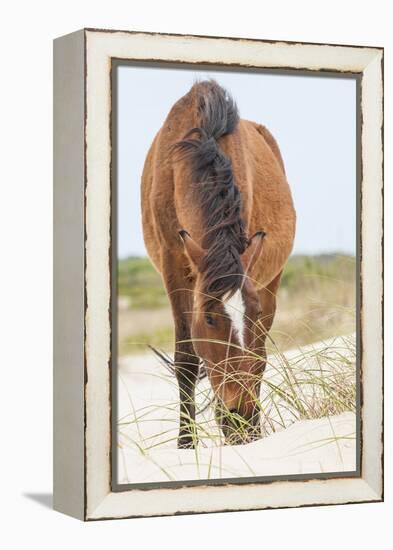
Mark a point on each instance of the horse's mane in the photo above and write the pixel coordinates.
(220, 201)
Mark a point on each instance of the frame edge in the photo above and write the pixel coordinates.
(68, 288)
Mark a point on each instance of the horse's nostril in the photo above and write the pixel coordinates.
(233, 411)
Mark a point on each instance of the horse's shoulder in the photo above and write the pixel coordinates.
(267, 136)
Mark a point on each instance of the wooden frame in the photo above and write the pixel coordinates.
(82, 241)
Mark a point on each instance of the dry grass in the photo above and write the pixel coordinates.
(307, 383)
(316, 303)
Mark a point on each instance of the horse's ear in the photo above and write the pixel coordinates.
(254, 250)
(193, 250)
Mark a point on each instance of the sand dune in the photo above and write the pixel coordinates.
(148, 420)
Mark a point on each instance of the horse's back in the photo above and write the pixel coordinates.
(168, 204)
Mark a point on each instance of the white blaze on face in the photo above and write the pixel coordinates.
(235, 309)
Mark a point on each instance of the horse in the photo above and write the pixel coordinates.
(219, 224)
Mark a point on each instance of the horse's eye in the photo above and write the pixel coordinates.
(209, 319)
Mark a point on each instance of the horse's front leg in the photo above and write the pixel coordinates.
(180, 291)
(187, 368)
(268, 300)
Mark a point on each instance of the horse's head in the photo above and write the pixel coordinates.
(227, 335)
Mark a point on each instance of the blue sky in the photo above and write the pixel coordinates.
(312, 118)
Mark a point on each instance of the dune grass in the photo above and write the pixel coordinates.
(308, 383)
(316, 302)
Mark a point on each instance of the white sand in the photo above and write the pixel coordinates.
(148, 422)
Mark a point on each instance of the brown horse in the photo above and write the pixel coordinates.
(209, 182)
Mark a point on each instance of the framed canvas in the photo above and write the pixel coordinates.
(218, 268)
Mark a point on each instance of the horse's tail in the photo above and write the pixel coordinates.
(221, 202)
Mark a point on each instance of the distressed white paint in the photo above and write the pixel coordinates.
(235, 309)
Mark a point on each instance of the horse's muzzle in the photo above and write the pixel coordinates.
(236, 429)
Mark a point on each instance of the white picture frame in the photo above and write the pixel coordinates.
(82, 255)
